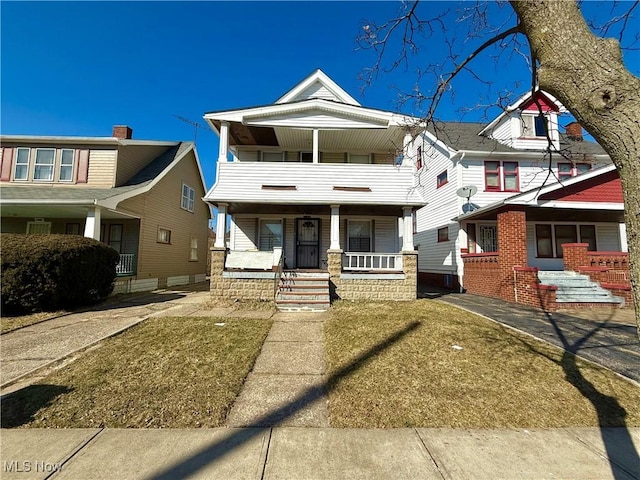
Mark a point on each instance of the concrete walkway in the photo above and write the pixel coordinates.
(320, 453)
(285, 386)
(611, 344)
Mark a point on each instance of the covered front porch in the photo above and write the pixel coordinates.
(365, 252)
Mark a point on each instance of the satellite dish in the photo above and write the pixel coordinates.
(467, 192)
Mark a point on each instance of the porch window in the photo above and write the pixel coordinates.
(22, 164)
(443, 234)
(44, 164)
(39, 227)
(511, 182)
(188, 197)
(115, 237)
(442, 179)
(193, 249)
(359, 233)
(72, 229)
(564, 234)
(66, 165)
(270, 235)
(359, 158)
(544, 241)
(492, 175)
(272, 156)
(307, 157)
(588, 235)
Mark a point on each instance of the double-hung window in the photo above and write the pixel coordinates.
(568, 170)
(22, 164)
(188, 197)
(359, 236)
(193, 249)
(43, 167)
(270, 235)
(442, 179)
(501, 176)
(549, 238)
(66, 165)
(534, 126)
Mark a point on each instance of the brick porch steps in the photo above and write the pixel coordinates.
(577, 289)
(303, 291)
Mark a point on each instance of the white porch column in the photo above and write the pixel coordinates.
(406, 142)
(335, 228)
(221, 225)
(316, 148)
(224, 142)
(92, 223)
(624, 246)
(407, 234)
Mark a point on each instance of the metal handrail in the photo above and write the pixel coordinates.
(277, 276)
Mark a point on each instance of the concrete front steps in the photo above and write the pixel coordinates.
(301, 291)
(575, 288)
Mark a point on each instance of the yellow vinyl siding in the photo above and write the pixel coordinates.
(383, 158)
(160, 207)
(102, 167)
(133, 158)
(333, 157)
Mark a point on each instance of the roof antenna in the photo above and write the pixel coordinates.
(195, 125)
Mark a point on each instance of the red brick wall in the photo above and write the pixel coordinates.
(530, 292)
(482, 274)
(575, 256)
(512, 248)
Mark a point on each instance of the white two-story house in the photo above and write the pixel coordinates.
(547, 188)
(318, 192)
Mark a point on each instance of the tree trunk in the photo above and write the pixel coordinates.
(587, 74)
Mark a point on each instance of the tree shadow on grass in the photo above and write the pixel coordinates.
(618, 443)
(237, 437)
(18, 408)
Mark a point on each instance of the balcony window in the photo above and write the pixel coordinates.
(271, 156)
(359, 158)
(44, 164)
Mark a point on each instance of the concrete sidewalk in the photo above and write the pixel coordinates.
(320, 453)
(27, 351)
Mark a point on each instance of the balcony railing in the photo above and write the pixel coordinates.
(127, 264)
(360, 262)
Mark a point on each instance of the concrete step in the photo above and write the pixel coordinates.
(577, 288)
(297, 284)
(299, 274)
(303, 297)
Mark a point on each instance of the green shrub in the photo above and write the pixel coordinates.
(53, 272)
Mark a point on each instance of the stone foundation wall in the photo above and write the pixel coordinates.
(381, 286)
(242, 288)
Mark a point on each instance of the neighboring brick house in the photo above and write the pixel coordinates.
(141, 197)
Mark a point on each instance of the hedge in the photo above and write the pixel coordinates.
(53, 272)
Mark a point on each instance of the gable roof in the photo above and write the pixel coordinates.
(317, 85)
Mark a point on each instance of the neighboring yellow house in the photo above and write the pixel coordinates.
(143, 198)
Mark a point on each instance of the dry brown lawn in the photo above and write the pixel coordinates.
(10, 323)
(165, 372)
(498, 378)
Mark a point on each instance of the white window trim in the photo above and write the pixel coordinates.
(190, 203)
(371, 233)
(48, 224)
(259, 235)
(159, 240)
(35, 166)
(72, 166)
(28, 164)
(192, 249)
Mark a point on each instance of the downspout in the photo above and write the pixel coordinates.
(460, 271)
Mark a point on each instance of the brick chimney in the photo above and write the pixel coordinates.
(122, 132)
(574, 131)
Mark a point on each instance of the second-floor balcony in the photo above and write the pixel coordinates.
(314, 183)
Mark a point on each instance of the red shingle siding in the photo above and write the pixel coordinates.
(545, 104)
(604, 188)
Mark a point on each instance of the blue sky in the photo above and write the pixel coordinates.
(78, 68)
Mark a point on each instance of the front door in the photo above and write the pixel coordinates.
(308, 243)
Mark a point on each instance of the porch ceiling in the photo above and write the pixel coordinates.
(539, 214)
(56, 211)
(265, 209)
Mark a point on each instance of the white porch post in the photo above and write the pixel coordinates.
(221, 225)
(92, 223)
(335, 228)
(407, 234)
(224, 142)
(406, 142)
(316, 154)
(624, 247)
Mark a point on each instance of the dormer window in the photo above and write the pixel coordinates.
(534, 126)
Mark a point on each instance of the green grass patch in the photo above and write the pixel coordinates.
(498, 379)
(163, 373)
